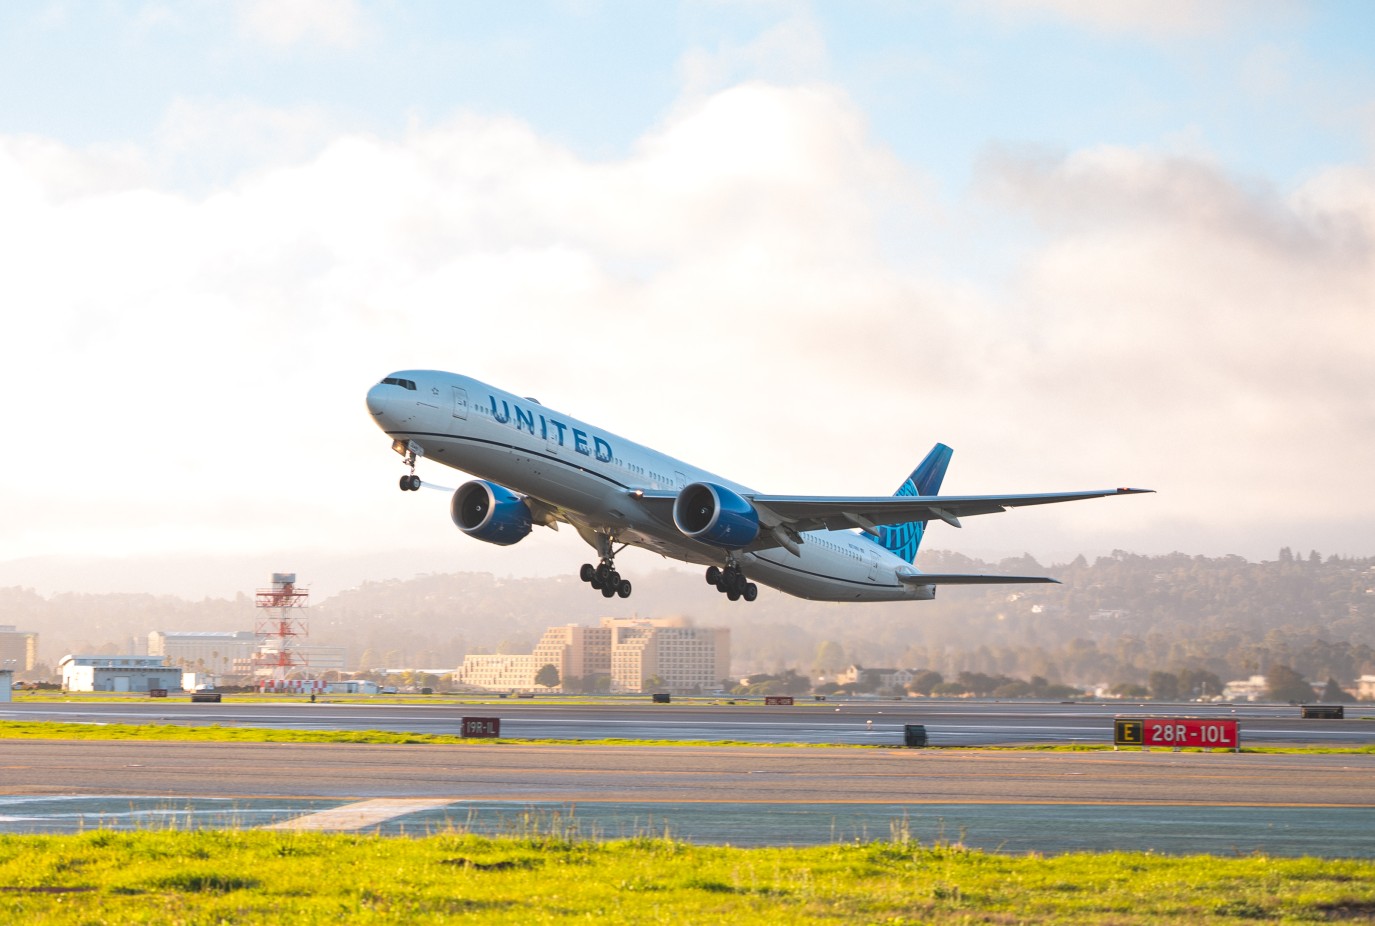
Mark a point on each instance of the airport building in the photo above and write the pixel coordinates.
(620, 655)
(118, 673)
(18, 650)
(6, 686)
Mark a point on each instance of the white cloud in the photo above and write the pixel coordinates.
(1231, 325)
(192, 367)
(284, 23)
(1154, 18)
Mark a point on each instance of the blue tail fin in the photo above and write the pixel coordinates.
(904, 539)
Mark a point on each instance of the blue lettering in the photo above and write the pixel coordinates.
(503, 416)
(560, 425)
(543, 428)
(580, 442)
(525, 420)
(603, 450)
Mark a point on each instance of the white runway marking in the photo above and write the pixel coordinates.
(363, 813)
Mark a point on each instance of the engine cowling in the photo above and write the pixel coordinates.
(490, 512)
(714, 514)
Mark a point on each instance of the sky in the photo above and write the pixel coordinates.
(1086, 245)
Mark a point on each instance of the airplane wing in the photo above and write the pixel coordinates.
(800, 513)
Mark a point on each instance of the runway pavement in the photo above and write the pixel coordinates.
(1015, 801)
(948, 722)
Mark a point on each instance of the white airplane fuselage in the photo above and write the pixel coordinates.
(593, 479)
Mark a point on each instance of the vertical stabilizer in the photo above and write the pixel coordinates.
(904, 539)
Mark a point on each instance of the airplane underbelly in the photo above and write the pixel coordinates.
(787, 573)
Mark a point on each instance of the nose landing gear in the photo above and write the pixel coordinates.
(731, 582)
(409, 454)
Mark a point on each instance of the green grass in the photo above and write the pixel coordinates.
(246, 877)
(25, 729)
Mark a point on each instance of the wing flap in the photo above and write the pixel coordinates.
(938, 578)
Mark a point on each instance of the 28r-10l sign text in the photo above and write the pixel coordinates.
(1176, 732)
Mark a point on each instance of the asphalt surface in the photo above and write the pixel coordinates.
(948, 723)
(1011, 801)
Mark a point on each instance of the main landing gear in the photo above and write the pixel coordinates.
(605, 577)
(732, 583)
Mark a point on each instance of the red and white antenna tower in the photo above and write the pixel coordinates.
(281, 619)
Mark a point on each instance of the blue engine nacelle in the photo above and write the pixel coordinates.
(490, 512)
(714, 514)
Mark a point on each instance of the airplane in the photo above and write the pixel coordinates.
(537, 466)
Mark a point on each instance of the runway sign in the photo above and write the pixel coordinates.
(482, 726)
(1176, 732)
(785, 700)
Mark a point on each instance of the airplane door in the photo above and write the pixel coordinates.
(460, 403)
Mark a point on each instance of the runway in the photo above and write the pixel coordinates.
(1009, 801)
(868, 721)
(1045, 802)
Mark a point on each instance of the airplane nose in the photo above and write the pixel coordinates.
(379, 399)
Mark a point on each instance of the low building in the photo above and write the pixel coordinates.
(354, 686)
(498, 672)
(118, 673)
(1365, 688)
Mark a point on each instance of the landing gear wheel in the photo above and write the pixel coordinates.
(713, 575)
(414, 481)
(587, 573)
(405, 483)
(751, 591)
(733, 595)
(623, 589)
(608, 591)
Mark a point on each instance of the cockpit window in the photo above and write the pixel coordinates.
(396, 381)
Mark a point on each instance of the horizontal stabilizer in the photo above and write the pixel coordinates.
(937, 578)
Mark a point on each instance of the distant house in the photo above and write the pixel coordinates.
(1365, 687)
(1249, 689)
(118, 673)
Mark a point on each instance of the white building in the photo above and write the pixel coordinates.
(1365, 687)
(118, 673)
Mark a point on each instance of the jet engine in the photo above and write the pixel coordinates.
(714, 514)
(490, 512)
